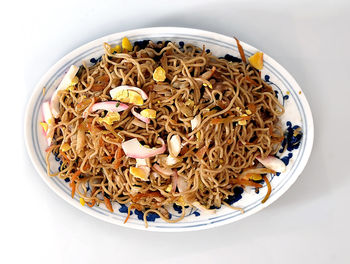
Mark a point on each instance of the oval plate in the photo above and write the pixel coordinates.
(296, 153)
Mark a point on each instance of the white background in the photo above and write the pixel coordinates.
(308, 224)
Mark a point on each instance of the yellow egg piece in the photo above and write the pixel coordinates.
(51, 121)
(135, 98)
(159, 74)
(44, 126)
(243, 122)
(109, 119)
(82, 201)
(139, 173)
(74, 81)
(131, 97)
(256, 177)
(126, 44)
(168, 189)
(257, 60)
(150, 113)
(181, 201)
(65, 147)
(122, 94)
(116, 49)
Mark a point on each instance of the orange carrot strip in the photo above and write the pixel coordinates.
(222, 105)
(268, 189)
(72, 184)
(241, 51)
(92, 203)
(75, 175)
(64, 156)
(138, 196)
(108, 204)
(127, 217)
(104, 78)
(184, 150)
(107, 159)
(100, 142)
(98, 87)
(219, 120)
(251, 81)
(245, 182)
(118, 158)
(252, 108)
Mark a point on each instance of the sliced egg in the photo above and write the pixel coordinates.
(140, 172)
(65, 83)
(110, 118)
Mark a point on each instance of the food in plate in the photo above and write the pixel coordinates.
(156, 124)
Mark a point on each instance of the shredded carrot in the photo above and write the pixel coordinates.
(50, 148)
(252, 108)
(127, 217)
(108, 204)
(86, 166)
(64, 156)
(118, 159)
(251, 81)
(268, 189)
(245, 182)
(255, 170)
(241, 51)
(83, 104)
(132, 206)
(107, 159)
(220, 120)
(244, 118)
(72, 181)
(139, 196)
(75, 175)
(98, 87)
(104, 78)
(101, 142)
(200, 153)
(92, 203)
(222, 105)
(72, 184)
(184, 150)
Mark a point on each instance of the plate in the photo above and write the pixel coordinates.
(297, 121)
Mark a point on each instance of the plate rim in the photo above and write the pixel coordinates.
(165, 30)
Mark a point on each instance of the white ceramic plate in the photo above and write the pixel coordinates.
(297, 114)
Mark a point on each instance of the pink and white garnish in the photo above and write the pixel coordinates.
(110, 106)
(113, 93)
(272, 163)
(175, 178)
(182, 184)
(139, 116)
(133, 149)
(64, 84)
(161, 170)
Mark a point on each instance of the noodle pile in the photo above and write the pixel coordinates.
(237, 117)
